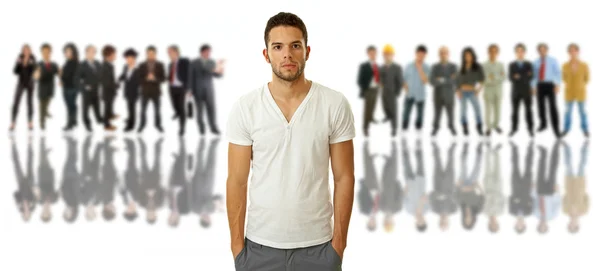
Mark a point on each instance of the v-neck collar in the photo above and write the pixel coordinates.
(298, 111)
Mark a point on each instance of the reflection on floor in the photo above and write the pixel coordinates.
(482, 189)
(474, 193)
(95, 187)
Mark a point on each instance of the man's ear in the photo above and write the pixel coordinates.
(307, 52)
(266, 55)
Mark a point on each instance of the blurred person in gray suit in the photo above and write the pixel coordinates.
(130, 188)
(368, 193)
(70, 186)
(152, 193)
(443, 198)
(48, 195)
(90, 178)
(391, 189)
(201, 73)
(109, 180)
(179, 199)
(392, 81)
(24, 196)
(204, 201)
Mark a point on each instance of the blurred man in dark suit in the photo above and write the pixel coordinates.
(368, 82)
(152, 74)
(178, 84)
(131, 79)
(202, 70)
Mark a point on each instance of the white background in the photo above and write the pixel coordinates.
(338, 34)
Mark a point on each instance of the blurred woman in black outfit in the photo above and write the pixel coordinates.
(69, 84)
(24, 68)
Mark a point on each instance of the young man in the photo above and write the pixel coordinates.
(391, 81)
(369, 83)
(546, 83)
(415, 78)
(109, 85)
(151, 76)
(289, 128)
(131, 81)
(443, 80)
(494, 77)
(520, 73)
(46, 73)
(89, 79)
(575, 74)
(202, 71)
(178, 84)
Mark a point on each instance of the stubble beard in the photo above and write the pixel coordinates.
(288, 78)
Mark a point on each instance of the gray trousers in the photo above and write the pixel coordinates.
(256, 257)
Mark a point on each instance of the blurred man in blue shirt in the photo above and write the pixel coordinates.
(415, 78)
(546, 83)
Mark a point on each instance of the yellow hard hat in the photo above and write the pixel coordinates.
(388, 49)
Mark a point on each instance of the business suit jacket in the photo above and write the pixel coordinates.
(365, 76)
(575, 81)
(109, 84)
(201, 73)
(392, 81)
(522, 86)
(151, 89)
(182, 71)
(131, 84)
(46, 81)
(90, 75)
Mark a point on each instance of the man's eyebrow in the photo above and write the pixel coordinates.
(281, 43)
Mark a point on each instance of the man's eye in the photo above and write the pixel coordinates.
(296, 46)
(277, 47)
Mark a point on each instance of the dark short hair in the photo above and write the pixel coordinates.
(174, 48)
(151, 48)
(493, 46)
(285, 19)
(130, 52)
(421, 48)
(46, 46)
(204, 47)
(108, 50)
(573, 45)
(520, 45)
(542, 44)
(371, 48)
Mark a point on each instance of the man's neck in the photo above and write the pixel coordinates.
(46, 60)
(289, 90)
(444, 61)
(90, 60)
(492, 60)
(131, 65)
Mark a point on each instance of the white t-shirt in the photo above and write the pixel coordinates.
(290, 203)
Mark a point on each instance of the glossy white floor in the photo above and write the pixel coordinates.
(119, 244)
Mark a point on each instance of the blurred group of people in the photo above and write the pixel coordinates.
(471, 192)
(96, 185)
(98, 85)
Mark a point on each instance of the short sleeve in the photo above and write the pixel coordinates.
(237, 126)
(343, 123)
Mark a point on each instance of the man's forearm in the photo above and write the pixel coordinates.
(343, 198)
(236, 210)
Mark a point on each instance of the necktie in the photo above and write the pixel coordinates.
(376, 203)
(48, 66)
(376, 73)
(542, 70)
(172, 77)
(542, 207)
